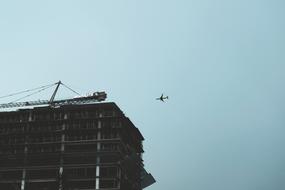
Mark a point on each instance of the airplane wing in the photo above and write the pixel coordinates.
(161, 98)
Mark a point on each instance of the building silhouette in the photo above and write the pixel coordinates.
(71, 147)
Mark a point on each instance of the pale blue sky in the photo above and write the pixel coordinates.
(220, 61)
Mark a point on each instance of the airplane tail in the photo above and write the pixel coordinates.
(166, 97)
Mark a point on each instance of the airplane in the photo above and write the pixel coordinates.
(162, 98)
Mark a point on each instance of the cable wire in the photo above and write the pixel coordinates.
(21, 92)
(71, 89)
(31, 94)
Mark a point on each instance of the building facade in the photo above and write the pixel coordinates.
(71, 147)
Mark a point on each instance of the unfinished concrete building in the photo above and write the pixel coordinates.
(71, 147)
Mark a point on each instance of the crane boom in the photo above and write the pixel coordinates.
(95, 97)
(55, 91)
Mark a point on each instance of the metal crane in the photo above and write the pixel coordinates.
(94, 97)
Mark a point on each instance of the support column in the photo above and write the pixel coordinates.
(23, 182)
(119, 175)
(60, 172)
(97, 182)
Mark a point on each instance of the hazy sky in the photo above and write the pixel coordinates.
(222, 63)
